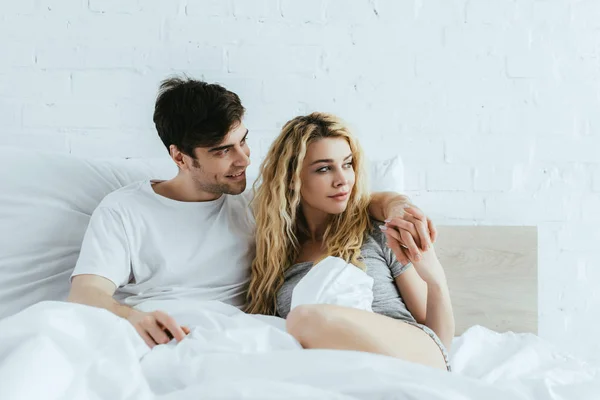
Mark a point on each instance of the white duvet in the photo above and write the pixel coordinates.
(56, 350)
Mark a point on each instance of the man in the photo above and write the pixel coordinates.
(191, 236)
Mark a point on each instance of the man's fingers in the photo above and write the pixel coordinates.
(151, 343)
(169, 323)
(433, 233)
(156, 332)
(421, 227)
(415, 212)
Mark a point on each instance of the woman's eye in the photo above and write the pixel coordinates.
(324, 169)
(349, 165)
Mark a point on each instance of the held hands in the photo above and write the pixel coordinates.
(157, 327)
(410, 235)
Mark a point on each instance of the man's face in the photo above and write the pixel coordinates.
(222, 168)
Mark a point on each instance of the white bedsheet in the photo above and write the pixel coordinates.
(56, 350)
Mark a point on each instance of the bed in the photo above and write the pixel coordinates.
(51, 349)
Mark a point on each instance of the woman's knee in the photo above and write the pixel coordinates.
(307, 321)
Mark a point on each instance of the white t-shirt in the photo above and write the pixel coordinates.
(153, 247)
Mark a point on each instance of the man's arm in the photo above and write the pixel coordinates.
(384, 203)
(96, 291)
(104, 263)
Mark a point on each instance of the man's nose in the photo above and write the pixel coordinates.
(243, 159)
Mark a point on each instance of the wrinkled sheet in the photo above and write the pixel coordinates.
(56, 350)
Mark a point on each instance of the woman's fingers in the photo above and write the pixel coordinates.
(400, 223)
(409, 243)
(393, 243)
(422, 229)
(405, 241)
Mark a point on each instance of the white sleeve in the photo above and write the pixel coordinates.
(105, 248)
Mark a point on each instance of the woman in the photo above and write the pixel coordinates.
(311, 202)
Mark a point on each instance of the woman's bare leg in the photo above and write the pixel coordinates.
(326, 326)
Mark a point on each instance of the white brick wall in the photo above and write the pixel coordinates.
(493, 104)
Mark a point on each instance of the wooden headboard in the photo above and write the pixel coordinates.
(492, 276)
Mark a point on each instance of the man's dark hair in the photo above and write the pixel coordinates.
(191, 113)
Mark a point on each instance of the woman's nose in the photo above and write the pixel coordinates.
(340, 180)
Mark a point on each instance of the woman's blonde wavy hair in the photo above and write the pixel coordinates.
(280, 224)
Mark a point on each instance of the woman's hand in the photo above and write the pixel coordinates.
(410, 237)
(416, 233)
(430, 269)
(427, 264)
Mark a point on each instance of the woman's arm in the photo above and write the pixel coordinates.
(428, 289)
(440, 317)
(426, 295)
(414, 293)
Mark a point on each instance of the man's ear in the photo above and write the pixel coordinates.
(177, 156)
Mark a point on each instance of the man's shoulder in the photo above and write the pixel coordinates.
(242, 199)
(240, 208)
(124, 197)
(241, 202)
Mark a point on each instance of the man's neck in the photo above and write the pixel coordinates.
(181, 189)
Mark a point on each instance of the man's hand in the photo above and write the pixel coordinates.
(408, 232)
(157, 327)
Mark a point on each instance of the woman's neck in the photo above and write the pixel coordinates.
(316, 222)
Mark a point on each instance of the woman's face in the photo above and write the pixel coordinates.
(327, 175)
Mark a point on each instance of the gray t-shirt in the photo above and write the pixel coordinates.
(381, 265)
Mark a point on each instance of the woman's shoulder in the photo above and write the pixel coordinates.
(374, 237)
(300, 268)
(374, 232)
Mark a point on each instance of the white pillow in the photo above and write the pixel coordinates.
(386, 175)
(46, 200)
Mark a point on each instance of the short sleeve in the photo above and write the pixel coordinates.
(105, 248)
(396, 268)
